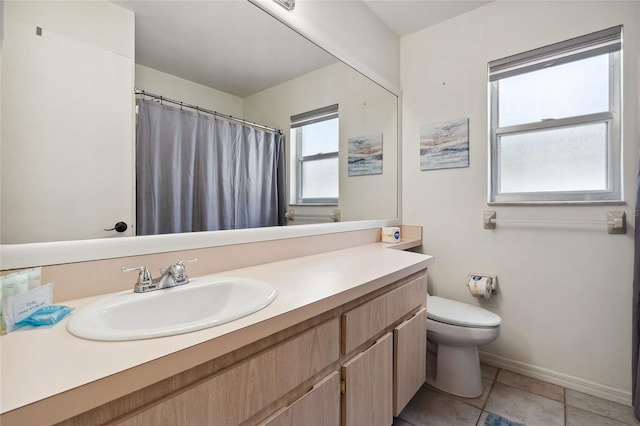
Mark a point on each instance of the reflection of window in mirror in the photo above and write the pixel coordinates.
(314, 155)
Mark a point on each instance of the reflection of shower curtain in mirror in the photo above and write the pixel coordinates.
(198, 173)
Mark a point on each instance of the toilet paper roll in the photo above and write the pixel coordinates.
(480, 286)
(390, 234)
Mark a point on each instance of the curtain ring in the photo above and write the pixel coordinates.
(180, 105)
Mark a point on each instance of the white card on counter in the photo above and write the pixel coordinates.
(18, 307)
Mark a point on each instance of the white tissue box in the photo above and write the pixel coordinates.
(391, 234)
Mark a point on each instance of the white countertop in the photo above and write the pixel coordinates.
(48, 375)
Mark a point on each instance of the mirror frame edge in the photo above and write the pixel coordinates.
(15, 256)
(275, 11)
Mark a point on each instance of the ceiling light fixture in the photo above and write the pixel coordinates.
(287, 4)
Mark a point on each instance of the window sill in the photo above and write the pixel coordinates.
(555, 203)
(313, 204)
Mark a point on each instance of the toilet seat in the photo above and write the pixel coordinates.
(460, 314)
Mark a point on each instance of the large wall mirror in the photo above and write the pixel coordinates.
(69, 70)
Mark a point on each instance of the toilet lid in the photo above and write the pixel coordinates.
(458, 313)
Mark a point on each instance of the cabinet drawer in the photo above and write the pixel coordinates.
(318, 407)
(409, 359)
(369, 386)
(364, 322)
(241, 391)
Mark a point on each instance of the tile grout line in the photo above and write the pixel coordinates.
(564, 402)
(484, 404)
(564, 405)
(532, 393)
(493, 383)
(590, 411)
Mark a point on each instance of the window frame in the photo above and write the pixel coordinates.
(299, 121)
(532, 61)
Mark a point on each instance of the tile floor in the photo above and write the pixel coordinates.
(517, 398)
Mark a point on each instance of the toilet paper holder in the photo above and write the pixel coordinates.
(493, 279)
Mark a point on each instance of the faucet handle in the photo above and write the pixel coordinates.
(182, 262)
(178, 265)
(179, 272)
(144, 277)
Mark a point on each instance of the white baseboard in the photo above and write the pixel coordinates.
(570, 382)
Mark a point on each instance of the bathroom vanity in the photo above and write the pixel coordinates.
(343, 343)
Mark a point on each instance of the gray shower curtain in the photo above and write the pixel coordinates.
(636, 304)
(195, 172)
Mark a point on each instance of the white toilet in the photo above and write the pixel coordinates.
(457, 329)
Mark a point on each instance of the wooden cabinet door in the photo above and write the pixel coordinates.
(364, 322)
(409, 359)
(234, 395)
(318, 407)
(368, 393)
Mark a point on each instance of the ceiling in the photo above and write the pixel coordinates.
(408, 16)
(235, 47)
(232, 46)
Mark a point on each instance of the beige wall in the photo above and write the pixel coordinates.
(364, 109)
(84, 279)
(564, 292)
(179, 89)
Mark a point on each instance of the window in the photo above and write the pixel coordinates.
(315, 156)
(555, 122)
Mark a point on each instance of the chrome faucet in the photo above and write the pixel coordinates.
(175, 274)
(172, 276)
(144, 283)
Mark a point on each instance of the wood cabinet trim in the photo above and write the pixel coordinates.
(409, 359)
(318, 407)
(364, 322)
(240, 392)
(368, 397)
(131, 405)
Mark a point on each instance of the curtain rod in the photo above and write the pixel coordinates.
(208, 111)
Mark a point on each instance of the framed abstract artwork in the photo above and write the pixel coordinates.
(444, 145)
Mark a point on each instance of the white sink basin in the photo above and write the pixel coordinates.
(202, 303)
